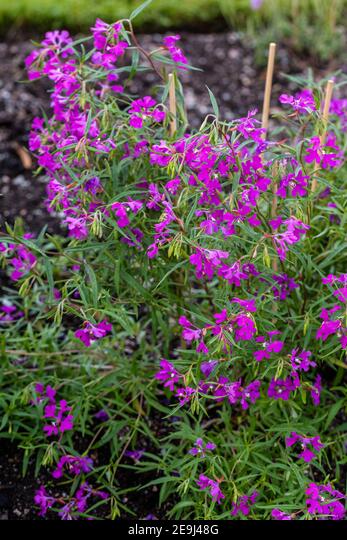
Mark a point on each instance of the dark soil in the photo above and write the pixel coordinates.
(17, 491)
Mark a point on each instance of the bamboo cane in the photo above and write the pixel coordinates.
(268, 87)
(265, 121)
(172, 104)
(325, 118)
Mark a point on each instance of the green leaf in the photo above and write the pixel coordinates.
(213, 103)
(333, 412)
(93, 283)
(139, 9)
(49, 274)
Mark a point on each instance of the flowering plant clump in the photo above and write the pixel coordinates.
(190, 323)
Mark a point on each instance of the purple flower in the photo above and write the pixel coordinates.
(77, 227)
(213, 486)
(101, 415)
(302, 102)
(243, 504)
(294, 184)
(93, 185)
(331, 326)
(248, 305)
(22, 263)
(142, 109)
(301, 360)
(61, 420)
(208, 367)
(271, 346)
(284, 286)
(92, 332)
(279, 515)
(324, 501)
(256, 4)
(43, 500)
(175, 52)
(244, 328)
(316, 153)
(45, 393)
(136, 455)
(189, 333)
(250, 394)
(281, 388)
(316, 390)
(75, 465)
(249, 127)
(184, 395)
(295, 229)
(327, 329)
(168, 374)
(200, 448)
(306, 453)
(9, 313)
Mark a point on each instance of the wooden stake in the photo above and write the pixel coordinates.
(325, 118)
(325, 114)
(268, 87)
(172, 104)
(265, 124)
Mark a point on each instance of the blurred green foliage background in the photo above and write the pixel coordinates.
(316, 26)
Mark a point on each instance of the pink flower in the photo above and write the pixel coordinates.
(91, 332)
(168, 374)
(43, 500)
(213, 486)
(200, 448)
(61, 420)
(301, 360)
(316, 390)
(279, 515)
(307, 453)
(325, 501)
(175, 52)
(184, 395)
(243, 504)
(74, 464)
(302, 102)
(281, 388)
(142, 109)
(271, 346)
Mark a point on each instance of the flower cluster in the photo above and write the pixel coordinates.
(19, 258)
(71, 508)
(92, 332)
(57, 413)
(142, 109)
(308, 445)
(200, 448)
(9, 313)
(73, 464)
(243, 504)
(213, 487)
(324, 501)
(330, 325)
(279, 515)
(175, 52)
(302, 102)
